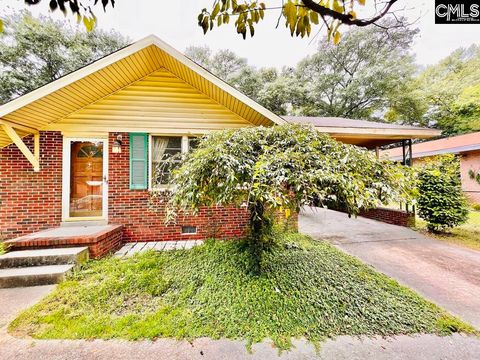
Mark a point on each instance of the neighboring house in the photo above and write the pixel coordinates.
(87, 149)
(467, 147)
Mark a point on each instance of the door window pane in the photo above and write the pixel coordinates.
(86, 179)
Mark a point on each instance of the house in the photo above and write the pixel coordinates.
(80, 156)
(467, 147)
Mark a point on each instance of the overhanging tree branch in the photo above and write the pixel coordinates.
(347, 19)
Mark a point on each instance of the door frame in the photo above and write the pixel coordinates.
(66, 173)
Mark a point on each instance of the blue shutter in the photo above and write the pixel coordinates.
(138, 161)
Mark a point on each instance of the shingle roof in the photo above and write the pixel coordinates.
(369, 134)
(346, 123)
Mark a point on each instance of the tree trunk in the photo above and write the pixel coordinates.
(260, 233)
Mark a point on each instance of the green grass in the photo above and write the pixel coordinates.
(308, 289)
(467, 235)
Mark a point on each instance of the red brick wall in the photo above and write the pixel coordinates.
(131, 208)
(31, 201)
(390, 216)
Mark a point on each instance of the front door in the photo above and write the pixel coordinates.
(85, 179)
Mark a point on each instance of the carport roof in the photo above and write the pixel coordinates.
(369, 134)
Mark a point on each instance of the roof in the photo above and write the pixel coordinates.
(49, 104)
(453, 145)
(364, 133)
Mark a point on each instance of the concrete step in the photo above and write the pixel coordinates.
(33, 276)
(41, 257)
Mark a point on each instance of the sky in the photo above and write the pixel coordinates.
(175, 21)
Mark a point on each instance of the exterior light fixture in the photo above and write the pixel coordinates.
(117, 145)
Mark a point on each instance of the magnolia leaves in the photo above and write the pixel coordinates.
(299, 16)
(246, 14)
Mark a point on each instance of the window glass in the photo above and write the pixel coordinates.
(193, 143)
(163, 149)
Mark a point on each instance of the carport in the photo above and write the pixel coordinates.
(369, 134)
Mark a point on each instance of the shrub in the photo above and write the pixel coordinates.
(441, 202)
(282, 168)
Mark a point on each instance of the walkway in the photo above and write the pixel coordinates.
(446, 274)
(132, 248)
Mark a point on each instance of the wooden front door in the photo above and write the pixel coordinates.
(86, 179)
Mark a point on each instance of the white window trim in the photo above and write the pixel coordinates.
(185, 144)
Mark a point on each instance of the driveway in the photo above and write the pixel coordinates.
(446, 274)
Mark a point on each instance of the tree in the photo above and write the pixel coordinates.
(283, 95)
(281, 168)
(34, 52)
(441, 202)
(449, 92)
(360, 77)
(299, 15)
(233, 69)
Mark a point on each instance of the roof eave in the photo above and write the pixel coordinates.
(68, 79)
(394, 133)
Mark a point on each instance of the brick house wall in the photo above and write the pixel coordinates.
(131, 208)
(470, 161)
(31, 201)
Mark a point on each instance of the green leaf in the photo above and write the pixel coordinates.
(314, 17)
(216, 10)
(1, 26)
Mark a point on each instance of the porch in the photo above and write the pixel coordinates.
(100, 239)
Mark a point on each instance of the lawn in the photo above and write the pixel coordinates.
(308, 289)
(467, 235)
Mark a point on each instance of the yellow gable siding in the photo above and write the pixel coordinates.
(160, 102)
(90, 88)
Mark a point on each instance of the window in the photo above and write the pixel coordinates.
(163, 148)
(189, 229)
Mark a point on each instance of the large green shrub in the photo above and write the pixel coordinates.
(282, 168)
(441, 202)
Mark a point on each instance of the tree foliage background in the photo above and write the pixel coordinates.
(36, 51)
(371, 74)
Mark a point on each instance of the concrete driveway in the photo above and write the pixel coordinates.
(446, 274)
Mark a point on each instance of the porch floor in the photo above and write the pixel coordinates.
(100, 239)
(133, 248)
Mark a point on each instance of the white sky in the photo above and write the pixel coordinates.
(175, 21)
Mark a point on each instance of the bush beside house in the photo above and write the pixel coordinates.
(441, 202)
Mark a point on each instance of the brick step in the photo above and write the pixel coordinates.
(42, 257)
(100, 239)
(34, 275)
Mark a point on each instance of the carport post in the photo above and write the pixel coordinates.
(407, 160)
